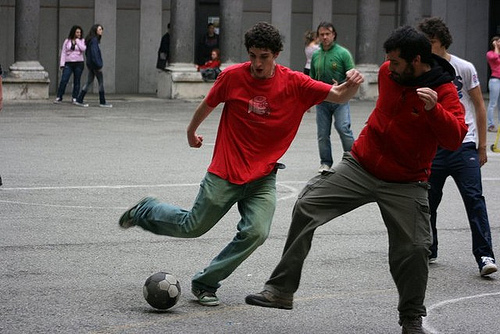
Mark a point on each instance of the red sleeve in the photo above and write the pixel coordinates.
(447, 119)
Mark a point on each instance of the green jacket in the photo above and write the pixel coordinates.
(331, 64)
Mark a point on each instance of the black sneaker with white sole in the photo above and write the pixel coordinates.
(487, 266)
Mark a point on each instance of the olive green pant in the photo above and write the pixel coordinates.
(405, 211)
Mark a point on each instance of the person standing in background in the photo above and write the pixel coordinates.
(1, 101)
(208, 42)
(329, 64)
(311, 45)
(94, 65)
(464, 164)
(164, 51)
(71, 62)
(1, 91)
(493, 57)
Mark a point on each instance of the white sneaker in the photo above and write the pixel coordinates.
(85, 105)
(323, 167)
(58, 100)
(488, 266)
(74, 100)
(106, 105)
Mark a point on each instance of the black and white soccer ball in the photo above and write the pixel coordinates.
(162, 290)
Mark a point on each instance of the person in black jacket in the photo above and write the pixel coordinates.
(94, 66)
(164, 51)
(208, 42)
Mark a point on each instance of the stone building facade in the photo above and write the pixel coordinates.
(32, 31)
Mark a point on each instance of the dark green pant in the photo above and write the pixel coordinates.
(405, 211)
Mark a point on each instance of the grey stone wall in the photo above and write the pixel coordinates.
(129, 48)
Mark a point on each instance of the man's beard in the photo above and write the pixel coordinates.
(407, 76)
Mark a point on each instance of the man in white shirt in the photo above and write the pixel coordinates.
(464, 164)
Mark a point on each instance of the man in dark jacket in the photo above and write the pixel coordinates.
(208, 42)
(164, 51)
(417, 110)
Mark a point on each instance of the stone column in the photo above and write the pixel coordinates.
(183, 14)
(281, 17)
(180, 79)
(27, 78)
(322, 11)
(367, 31)
(366, 44)
(411, 12)
(231, 36)
(149, 42)
(105, 14)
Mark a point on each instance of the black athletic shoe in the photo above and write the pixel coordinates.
(268, 299)
(413, 326)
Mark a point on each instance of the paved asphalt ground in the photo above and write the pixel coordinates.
(66, 266)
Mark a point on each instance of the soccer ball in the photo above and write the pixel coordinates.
(162, 290)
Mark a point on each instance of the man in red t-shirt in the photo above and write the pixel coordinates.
(263, 106)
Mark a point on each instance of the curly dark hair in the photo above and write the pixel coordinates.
(410, 43)
(264, 36)
(434, 27)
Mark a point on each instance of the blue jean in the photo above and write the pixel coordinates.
(256, 205)
(494, 88)
(100, 79)
(463, 166)
(75, 68)
(405, 211)
(325, 112)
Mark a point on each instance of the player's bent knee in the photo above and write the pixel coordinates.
(258, 236)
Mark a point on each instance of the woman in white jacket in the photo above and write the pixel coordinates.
(71, 62)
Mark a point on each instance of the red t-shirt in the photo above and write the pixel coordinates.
(259, 120)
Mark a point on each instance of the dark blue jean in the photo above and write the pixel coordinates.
(75, 68)
(100, 79)
(463, 166)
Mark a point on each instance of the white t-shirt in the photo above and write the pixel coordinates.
(309, 50)
(465, 80)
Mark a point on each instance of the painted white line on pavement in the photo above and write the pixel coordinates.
(447, 302)
(293, 192)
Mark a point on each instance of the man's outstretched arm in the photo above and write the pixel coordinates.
(344, 92)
